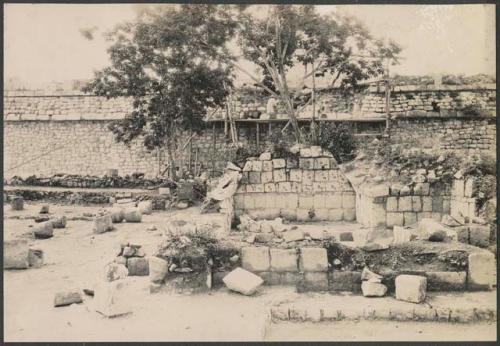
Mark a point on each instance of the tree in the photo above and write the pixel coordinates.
(289, 35)
(173, 62)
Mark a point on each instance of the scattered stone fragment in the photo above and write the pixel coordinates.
(138, 266)
(368, 275)
(158, 269)
(121, 260)
(132, 215)
(58, 222)
(316, 234)
(172, 267)
(450, 221)
(145, 207)
(16, 254)
(242, 281)
(43, 230)
(164, 191)
(88, 292)
(346, 236)
(43, 218)
(373, 246)
(115, 271)
(430, 229)
(44, 209)
(117, 215)
(103, 224)
(35, 258)
(128, 251)
(151, 228)
(373, 289)
(265, 227)
(264, 237)
(405, 191)
(17, 203)
(411, 288)
(250, 239)
(265, 156)
(293, 235)
(111, 300)
(181, 205)
(67, 298)
(234, 259)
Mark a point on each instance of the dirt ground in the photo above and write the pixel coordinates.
(75, 258)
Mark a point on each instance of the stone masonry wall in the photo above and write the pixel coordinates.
(381, 205)
(310, 188)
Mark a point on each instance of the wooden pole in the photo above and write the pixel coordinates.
(213, 149)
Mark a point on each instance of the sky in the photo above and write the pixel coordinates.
(44, 43)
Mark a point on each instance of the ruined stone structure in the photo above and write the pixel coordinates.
(309, 187)
(67, 133)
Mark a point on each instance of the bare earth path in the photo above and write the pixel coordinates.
(75, 257)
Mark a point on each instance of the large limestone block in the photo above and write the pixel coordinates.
(132, 215)
(145, 207)
(15, 254)
(158, 269)
(103, 224)
(111, 300)
(43, 230)
(411, 288)
(117, 214)
(67, 298)
(255, 259)
(430, 229)
(242, 281)
(373, 289)
(313, 260)
(482, 271)
(138, 266)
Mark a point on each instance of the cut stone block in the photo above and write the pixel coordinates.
(44, 209)
(479, 235)
(404, 203)
(317, 234)
(394, 219)
(256, 166)
(306, 202)
(316, 151)
(111, 300)
(284, 260)
(265, 156)
(313, 282)
(401, 235)
(103, 224)
(313, 260)
(373, 289)
(267, 166)
(158, 269)
(35, 258)
(145, 207)
(430, 229)
(349, 214)
(132, 215)
(318, 201)
(254, 177)
(392, 204)
(411, 288)
(15, 254)
(458, 188)
(266, 177)
(446, 281)
(409, 218)
(67, 298)
(293, 235)
(426, 204)
(306, 163)
(59, 222)
(255, 259)
(348, 201)
(416, 203)
(285, 187)
(242, 281)
(322, 163)
(482, 272)
(138, 266)
(115, 271)
(279, 175)
(43, 230)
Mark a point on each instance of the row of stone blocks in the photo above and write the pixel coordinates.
(345, 200)
(436, 204)
(307, 177)
(298, 214)
(296, 187)
(306, 163)
(308, 269)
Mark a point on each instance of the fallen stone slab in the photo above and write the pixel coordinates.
(103, 224)
(111, 300)
(132, 215)
(373, 289)
(479, 235)
(43, 230)
(59, 222)
(158, 269)
(255, 259)
(242, 281)
(17, 203)
(138, 266)
(115, 271)
(482, 271)
(145, 207)
(411, 288)
(16, 254)
(430, 229)
(67, 298)
(368, 275)
(35, 258)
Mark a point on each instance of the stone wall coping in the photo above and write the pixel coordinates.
(432, 87)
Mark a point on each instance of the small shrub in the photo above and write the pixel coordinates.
(338, 139)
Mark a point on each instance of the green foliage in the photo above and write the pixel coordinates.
(166, 61)
(238, 153)
(338, 138)
(280, 143)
